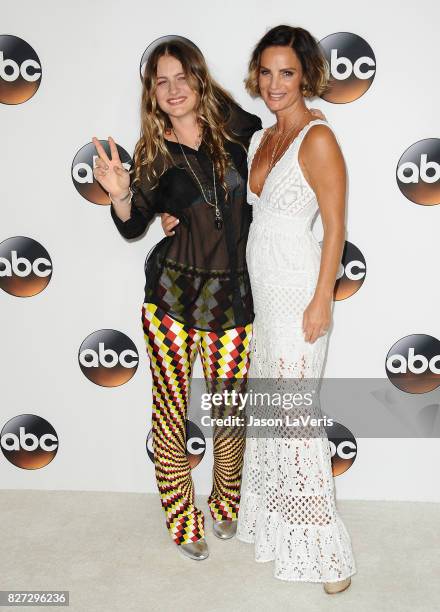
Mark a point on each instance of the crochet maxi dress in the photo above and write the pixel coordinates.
(288, 507)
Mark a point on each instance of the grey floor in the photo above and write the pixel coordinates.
(112, 552)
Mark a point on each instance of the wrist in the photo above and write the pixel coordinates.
(120, 200)
(325, 295)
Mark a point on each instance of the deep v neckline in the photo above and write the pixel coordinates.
(277, 162)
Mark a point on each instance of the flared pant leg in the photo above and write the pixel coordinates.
(225, 360)
(172, 348)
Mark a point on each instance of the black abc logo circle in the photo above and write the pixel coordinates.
(158, 41)
(20, 70)
(195, 444)
(29, 441)
(25, 266)
(352, 66)
(108, 358)
(418, 172)
(82, 171)
(413, 363)
(351, 273)
(343, 447)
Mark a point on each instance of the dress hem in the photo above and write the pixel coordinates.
(285, 579)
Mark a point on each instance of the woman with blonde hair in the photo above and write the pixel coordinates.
(190, 162)
(296, 169)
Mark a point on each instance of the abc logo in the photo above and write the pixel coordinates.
(29, 441)
(413, 363)
(343, 447)
(195, 444)
(108, 358)
(351, 273)
(352, 66)
(418, 172)
(151, 47)
(82, 171)
(20, 70)
(25, 266)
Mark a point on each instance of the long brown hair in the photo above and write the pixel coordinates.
(151, 152)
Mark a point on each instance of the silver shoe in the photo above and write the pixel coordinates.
(224, 530)
(195, 550)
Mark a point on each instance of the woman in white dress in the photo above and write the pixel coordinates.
(296, 169)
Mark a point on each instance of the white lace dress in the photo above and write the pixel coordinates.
(288, 506)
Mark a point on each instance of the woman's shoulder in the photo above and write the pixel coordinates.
(319, 141)
(318, 133)
(255, 140)
(322, 129)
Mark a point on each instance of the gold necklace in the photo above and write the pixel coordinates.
(276, 149)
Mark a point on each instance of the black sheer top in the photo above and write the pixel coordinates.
(199, 275)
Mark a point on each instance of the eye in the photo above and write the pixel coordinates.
(288, 73)
(264, 71)
(182, 78)
(160, 83)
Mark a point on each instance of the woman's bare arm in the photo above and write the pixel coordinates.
(324, 168)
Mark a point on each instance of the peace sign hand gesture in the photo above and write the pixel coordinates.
(110, 173)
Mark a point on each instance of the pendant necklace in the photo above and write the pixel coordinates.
(218, 218)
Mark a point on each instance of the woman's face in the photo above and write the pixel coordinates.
(280, 76)
(173, 92)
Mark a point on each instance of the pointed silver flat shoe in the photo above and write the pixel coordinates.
(195, 550)
(224, 530)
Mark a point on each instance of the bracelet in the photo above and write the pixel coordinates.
(130, 193)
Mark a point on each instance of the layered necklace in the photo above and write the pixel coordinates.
(218, 221)
(281, 140)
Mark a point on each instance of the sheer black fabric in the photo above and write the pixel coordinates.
(199, 275)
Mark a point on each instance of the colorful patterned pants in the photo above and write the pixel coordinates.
(172, 348)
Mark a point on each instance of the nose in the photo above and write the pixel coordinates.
(172, 86)
(274, 82)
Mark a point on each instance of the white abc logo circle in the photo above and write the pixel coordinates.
(416, 172)
(19, 70)
(22, 267)
(28, 441)
(357, 68)
(344, 450)
(349, 270)
(399, 364)
(194, 445)
(107, 357)
(86, 176)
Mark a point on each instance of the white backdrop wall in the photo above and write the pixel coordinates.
(90, 54)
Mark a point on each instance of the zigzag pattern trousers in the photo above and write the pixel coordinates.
(172, 348)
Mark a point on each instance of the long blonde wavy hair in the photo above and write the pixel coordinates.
(151, 152)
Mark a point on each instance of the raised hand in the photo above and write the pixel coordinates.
(110, 173)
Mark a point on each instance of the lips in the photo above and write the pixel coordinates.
(276, 97)
(176, 101)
